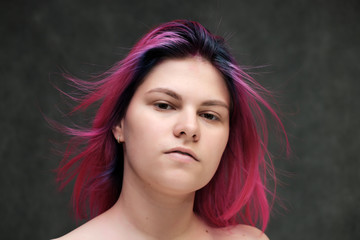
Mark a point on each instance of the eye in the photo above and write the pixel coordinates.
(209, 116)
(163, 106)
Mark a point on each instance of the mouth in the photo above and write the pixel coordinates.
(183, 151)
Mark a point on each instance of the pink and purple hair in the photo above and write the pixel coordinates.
(238, 192)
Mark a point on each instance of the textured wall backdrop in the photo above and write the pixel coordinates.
(312, 51)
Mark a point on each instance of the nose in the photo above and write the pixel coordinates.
(187, 126)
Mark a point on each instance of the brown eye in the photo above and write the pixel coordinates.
(163, 106)
(209, 116)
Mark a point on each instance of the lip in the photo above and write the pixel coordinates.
(185, 151)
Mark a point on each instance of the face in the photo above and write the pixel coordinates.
(176, 126)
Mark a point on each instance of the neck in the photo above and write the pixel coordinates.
(152, 214)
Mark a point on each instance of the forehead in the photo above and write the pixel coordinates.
(187, 76)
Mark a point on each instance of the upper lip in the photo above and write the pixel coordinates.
(185, 151)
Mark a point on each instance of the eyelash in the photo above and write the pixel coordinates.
(160, 105)
(163, 106)
(210, 116)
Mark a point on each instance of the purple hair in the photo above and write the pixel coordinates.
(238, 191)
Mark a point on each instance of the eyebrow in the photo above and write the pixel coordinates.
(167, 92)
(178, 97)
(216, 103)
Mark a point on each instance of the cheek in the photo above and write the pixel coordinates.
(218, 142)
(133, 129)
(142, 132)
(216, 147)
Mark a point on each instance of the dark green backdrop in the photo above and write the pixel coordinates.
(312, 51)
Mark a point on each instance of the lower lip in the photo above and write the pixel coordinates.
(181, 157)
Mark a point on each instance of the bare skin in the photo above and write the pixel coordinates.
(159, 184)
(114, 225)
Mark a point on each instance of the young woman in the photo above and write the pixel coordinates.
(178, 146)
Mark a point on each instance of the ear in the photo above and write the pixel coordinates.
(118, 132)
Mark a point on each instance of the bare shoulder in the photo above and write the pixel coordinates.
(241, 232)
(93, 229)
(250, 232)
(82, 232)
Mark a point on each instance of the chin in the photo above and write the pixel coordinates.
(181, 186)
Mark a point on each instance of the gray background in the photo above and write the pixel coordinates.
(312, 51)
